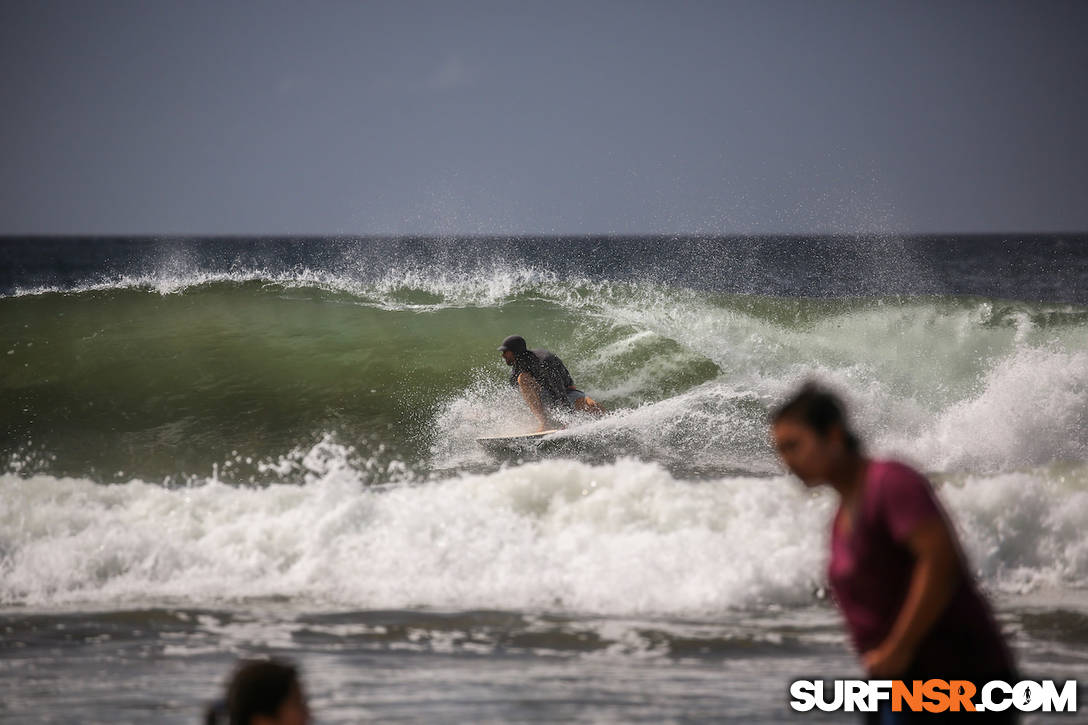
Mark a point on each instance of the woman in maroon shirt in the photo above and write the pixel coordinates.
(896, 570)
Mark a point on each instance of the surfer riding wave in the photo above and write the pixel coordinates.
(545, 382)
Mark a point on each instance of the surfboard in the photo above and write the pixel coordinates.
(520, 440)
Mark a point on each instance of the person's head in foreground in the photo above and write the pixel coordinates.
(813, 436)
(895, 568)
(262, 692)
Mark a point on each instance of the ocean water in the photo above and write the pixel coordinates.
(218, 448)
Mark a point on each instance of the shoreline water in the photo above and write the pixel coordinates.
(421, 665)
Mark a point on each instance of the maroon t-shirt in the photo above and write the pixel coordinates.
(870, 571)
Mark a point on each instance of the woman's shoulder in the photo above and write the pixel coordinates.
(902, 495)
(885, 473)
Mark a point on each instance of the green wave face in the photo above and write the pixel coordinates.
(243, 377)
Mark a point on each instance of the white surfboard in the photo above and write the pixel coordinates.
(519, 445)
(518, 437)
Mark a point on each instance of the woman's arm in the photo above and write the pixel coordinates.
(932, 584)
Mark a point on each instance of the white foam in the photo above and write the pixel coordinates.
(624, 538)
(1031, 408)
(621, 538)
(453, 288)
(1024, 531)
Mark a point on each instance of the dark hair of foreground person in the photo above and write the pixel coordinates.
(261, 692)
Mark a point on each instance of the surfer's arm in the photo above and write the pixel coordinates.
(932, 584)
(530, 390)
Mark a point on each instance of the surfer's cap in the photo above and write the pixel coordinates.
(514, 343)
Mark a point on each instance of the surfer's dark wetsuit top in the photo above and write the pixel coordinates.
(549, 372)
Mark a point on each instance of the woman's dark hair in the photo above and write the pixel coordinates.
(819, 409)
(257, 687)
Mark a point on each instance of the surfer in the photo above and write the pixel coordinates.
(544, 382)
(896, 569)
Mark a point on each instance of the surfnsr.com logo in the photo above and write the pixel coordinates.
(933, 695)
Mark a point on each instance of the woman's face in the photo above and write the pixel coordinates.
(807, 454)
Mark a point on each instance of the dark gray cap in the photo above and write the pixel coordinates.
(514, 343)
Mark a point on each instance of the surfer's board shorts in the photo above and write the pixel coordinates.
(574, 395)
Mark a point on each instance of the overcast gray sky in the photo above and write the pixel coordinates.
(230, 117)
